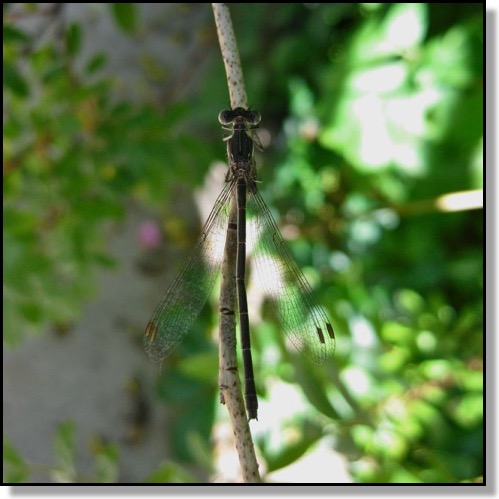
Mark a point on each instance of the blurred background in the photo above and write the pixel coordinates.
(373, 167)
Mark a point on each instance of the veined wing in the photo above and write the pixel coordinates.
(299, 313)
(183, 301)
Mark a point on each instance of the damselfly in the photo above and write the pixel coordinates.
(299, 314)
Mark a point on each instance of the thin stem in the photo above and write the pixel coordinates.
(230, 55)
(230, 384)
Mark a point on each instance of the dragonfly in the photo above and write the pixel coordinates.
(298, 313)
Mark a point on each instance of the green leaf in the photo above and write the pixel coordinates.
(73, 39)
(469, 411)
(201, 366)
(125, 15)
(314, 389)
(64, 448)
(96, 63)
(291, 452)
(11, 34)
(32, 311)
(106, 464)
(14, 81)
(170, 472)
(15, 469)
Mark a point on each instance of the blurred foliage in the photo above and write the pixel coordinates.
(72, 155)
(64, 469)
(375, 111)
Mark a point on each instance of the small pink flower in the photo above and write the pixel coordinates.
(150, 235)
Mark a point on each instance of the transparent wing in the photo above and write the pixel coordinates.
(300, 315)
(189, 291)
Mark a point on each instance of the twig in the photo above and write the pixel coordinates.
(229, 381)
(230, 55)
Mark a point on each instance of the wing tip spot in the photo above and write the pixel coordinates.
(151, 331)
(320, 335)
(330, 330)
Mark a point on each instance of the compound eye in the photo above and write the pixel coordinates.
(254, 117)
(226, 117)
